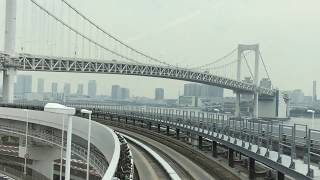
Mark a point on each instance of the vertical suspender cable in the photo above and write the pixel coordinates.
(89, 42)
(76, 37)
(83, 31)
(69, 35)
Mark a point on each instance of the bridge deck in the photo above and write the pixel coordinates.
(28, 62)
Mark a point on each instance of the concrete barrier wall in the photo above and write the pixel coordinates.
(102, 137)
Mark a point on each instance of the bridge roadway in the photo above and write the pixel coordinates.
(28, 62)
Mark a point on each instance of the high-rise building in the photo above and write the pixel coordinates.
(92, 88)
(115, 92)
(265, 83)
(314, 94)
(211, 91)
(66, 89)
(124, 93)
(23, 85)
(40, 87)
(54, 88)
(159, 94)
(192, 89)
(80, 89)
(199, 90)
(297, 96)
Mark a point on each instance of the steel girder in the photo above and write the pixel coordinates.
(27, 62)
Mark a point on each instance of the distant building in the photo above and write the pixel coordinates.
(308, 99)
(66, 89)
(265, 83)
(206, 91)
(40, 87)
(124, 93)
(192, 89)
(80, 90)
(92, 88)
(211, 91)
(314, 93)
(297, 96)
(190, 101)
(54, 88)
(159, 94)
(23, 85)
(115, 92)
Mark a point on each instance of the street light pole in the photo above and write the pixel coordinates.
(68, 152)
(61, 109)
(312, 111)
(62, 146)
(26, 144)
(89, 141)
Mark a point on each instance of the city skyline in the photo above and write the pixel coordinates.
(106, 90)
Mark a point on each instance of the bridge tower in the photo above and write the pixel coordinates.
(9, 48)
(242, 48)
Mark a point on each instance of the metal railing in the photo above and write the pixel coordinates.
(96, 160)
(251, 132)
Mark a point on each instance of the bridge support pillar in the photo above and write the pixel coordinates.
(134, 121)
(42, 158)
(280, 176)
(237, 105)
(159, 128)
(178, 133)
(8, 82)
(9, 47)
(150, 125)
(189, 139)
(256, 105)
(126, 120)
(231, 157)
(252, 168)
(200, 142)
(168, 130)
(214, 149)
(194, 140)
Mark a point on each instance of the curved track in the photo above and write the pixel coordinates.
(146, 166)
(184, 167)
(201, 164)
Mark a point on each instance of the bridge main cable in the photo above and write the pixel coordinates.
(217, 60)
(80, 34)
(113, 37)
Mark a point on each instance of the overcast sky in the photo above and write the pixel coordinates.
(193, 32)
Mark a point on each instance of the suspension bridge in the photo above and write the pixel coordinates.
(54, 36)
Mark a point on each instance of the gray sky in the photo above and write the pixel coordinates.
(193, 32)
